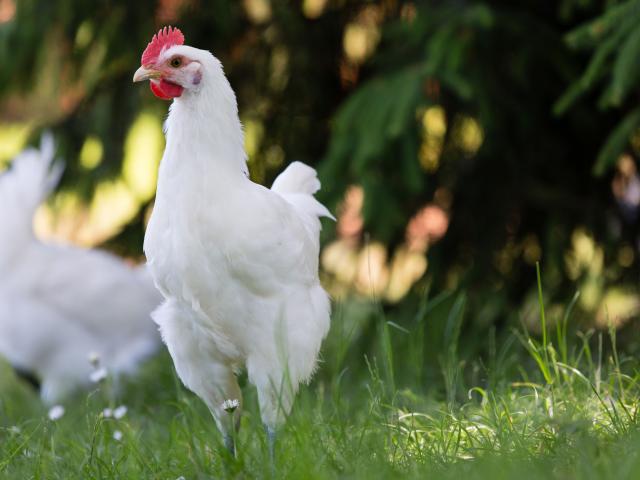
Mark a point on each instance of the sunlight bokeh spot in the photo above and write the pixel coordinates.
(91, 153)
(84, 34)
(113, 206)
(407, 267)
(258, 11)
(617, 307)
(67, 218)
(373, 272)
(371, 269)
(470, 134)
(340, 259)
(355, 42)
(7, 10)
(434, 128)
(253, 135)
(584, 256)
(361, 36)
(434, 121)
(350, 221)
(142, 152)
(61, 219)
(313, 8)
(12, 140)
(426, 227)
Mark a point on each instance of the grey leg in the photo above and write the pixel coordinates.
(230, 443)
(271, 439)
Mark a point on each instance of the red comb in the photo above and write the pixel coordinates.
(165, 38)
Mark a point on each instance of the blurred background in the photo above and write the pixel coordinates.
(459, 143)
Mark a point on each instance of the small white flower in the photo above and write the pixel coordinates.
(15, 430)
(94, 359)
(119, 412)
(56, 413)
(98, 375)
(117, 435)
(107, 413)
(230, 405)
(181, 478)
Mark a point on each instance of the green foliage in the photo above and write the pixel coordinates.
(72, 63)
(527, 73)
(506, 67)
(352, 422)
(376, 131)
(617, 142)
(614, 67)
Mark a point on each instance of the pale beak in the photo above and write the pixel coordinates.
(145, 74)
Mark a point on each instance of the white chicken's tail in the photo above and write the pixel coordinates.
(23, 187)
(297, 184)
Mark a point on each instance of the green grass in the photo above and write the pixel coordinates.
(394, 398)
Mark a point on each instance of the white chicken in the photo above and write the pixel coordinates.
(236, 262)
(59, 304)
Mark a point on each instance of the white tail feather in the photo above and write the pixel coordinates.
(297, 184)
(24, 186)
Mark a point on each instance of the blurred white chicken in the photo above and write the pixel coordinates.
(59, 304)
(236, 262)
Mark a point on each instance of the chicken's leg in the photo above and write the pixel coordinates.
(275, 396)
(201, 368)
(271, 441)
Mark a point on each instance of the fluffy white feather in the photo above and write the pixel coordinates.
(60, 303)
(236, 262)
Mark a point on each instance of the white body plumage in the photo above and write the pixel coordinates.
(236, 262)
(58, 303)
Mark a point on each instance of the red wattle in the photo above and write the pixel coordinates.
(166, 90)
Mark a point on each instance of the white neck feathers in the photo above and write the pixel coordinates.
(203, 126)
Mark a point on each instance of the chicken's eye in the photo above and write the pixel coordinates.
(175, 62)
